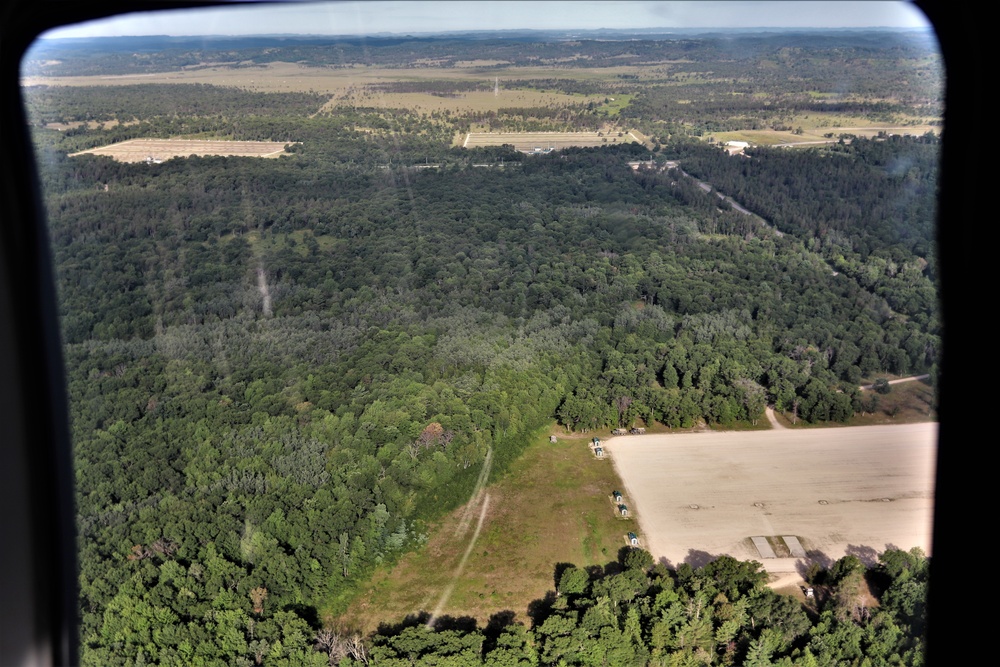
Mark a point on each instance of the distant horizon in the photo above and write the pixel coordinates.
(393, 18)
(445, 33)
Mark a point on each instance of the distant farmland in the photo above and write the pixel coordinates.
(157, 150)
(530, 141)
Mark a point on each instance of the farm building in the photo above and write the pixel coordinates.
(599, 452)
(633, 539)
(623, 510)
(617, 496)
(736, 147)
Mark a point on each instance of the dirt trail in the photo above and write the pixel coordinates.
(775, 424)
(912, 378)
(265, 291)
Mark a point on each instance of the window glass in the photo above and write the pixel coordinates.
(517, 333)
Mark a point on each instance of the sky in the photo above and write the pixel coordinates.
(402, 17)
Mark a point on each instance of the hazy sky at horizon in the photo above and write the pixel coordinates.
(402, 17)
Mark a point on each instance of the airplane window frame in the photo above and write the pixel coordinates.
(37, 556)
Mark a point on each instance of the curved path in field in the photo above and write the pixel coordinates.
(775, 424)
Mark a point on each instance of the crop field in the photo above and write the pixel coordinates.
(529, 141)
(141, 150)
(838, 490)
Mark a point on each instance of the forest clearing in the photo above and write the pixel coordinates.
(841, 491)
(551, 508)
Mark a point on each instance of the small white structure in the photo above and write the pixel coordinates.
(633, 539)
(599, 452)
(736, 147)
(552, 438)
(623, 510)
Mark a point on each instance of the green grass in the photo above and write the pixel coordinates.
(912, 402)
(552, 507)
(614, 105)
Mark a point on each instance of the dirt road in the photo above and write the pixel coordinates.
(775, 424)
(911, 378)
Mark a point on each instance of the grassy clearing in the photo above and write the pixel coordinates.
(552, 507)
(910, 402)
(907, 403)
(616, 103)
(816, 133)
(761, 425)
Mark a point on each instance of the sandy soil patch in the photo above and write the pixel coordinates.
(143, 150)
(529, 141)
(844, 490)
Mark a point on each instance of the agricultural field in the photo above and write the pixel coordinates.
(818, 135)
(471, 101)
(294, 77)
(530, 141)
(157, 150)
(853, 490)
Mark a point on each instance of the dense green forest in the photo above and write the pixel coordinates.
(633, 612)
(281, 370)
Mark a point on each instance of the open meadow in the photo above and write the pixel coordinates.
(553, 507)
(847, 490)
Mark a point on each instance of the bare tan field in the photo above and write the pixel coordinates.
(528, 141)
(141, 150)
(479, 100)
(815, 134)
(838, 490)
(284, 77)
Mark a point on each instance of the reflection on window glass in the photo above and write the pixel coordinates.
(545, 333)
